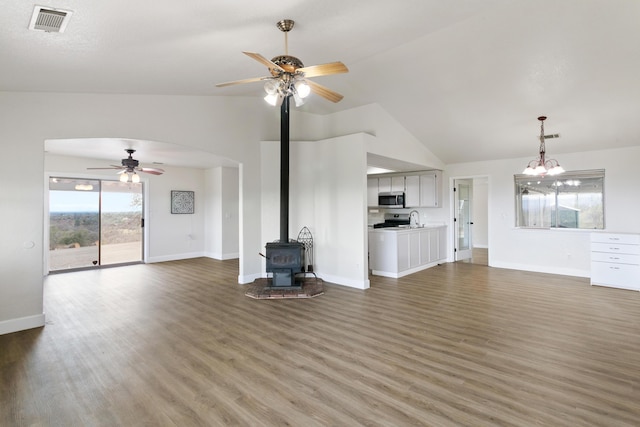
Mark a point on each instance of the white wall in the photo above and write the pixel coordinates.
(554, 251)
(222, 213)
(176, 236)
(391, 139)
(480, 215)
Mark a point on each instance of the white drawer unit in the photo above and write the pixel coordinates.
(615, 260)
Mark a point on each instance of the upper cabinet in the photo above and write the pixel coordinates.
(397, 183)
(430, 190)
(412, 191)
(422, 188)
(390, 183)
(372, 192)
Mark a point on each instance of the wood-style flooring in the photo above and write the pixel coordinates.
(460, 344)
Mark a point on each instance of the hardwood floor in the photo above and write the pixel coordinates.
(479, 256)
(459, 344)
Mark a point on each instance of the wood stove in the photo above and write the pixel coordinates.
(284, 260)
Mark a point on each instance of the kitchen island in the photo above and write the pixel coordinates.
(399, 251)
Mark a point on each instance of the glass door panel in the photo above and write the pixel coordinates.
(74, 223)
(463, 199)
(121, 223)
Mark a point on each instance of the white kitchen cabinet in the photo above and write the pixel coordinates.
(403, 251)
(372, 192)
(422, 189)
(615, 260)
(397, 183)
(400, 251)
(412, 191)
(384, 184)
(429, 186)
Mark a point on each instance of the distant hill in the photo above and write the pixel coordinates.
(69, 229)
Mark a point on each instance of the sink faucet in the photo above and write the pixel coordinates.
(414, 219)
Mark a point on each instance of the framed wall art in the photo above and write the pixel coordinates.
(182, 202)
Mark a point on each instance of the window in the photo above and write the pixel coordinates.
(570, 200)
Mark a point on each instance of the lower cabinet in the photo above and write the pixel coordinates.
(615, 260)
(396, 253)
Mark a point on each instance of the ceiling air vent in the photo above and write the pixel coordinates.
(49, 19)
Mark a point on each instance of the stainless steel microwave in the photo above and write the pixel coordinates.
(394, 199)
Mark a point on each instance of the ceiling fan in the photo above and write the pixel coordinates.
(289, 76)
(129, 168)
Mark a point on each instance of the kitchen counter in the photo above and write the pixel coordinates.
(399, 251)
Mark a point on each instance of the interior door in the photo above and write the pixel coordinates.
(463, 199)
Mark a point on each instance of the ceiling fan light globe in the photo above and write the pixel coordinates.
(271, 87)
(302, 88)
(124, 177)
(135, 178)
(271, 99)
(298, 99)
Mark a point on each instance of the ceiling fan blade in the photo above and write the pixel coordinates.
(324, 69)
(324, 92)
(264, 61)
(239, 82)
(112, 167)
(153, 171)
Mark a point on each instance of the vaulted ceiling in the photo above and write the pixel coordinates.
(467, 78)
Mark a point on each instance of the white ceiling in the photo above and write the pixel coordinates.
(467, 78)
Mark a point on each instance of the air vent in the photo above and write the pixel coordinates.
(49, 19)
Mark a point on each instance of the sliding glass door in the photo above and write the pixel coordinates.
(94, 223)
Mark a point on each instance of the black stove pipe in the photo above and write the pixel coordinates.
(284, 170)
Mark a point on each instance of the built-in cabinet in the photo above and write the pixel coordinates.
(398, 252)
(615, 260)
(422, 189)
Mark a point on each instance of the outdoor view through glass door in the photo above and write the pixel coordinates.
(94, 223)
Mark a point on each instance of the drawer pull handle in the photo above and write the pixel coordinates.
(614, 249)
(614, 238)
(614, 268)
(613, 257)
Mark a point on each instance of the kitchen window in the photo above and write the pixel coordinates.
(571, 200)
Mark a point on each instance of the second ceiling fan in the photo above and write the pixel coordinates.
(289, 76)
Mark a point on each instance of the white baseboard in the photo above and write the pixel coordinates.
(243, 280)
(358, 284)
(222, 257)
(543, 269)
(175, 257)
(405, 272)
(481, 246)
(21, 324)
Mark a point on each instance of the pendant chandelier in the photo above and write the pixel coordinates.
(542, 165)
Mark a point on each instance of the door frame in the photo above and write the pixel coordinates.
(452, 213)
(458, 253)
(73, 175)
